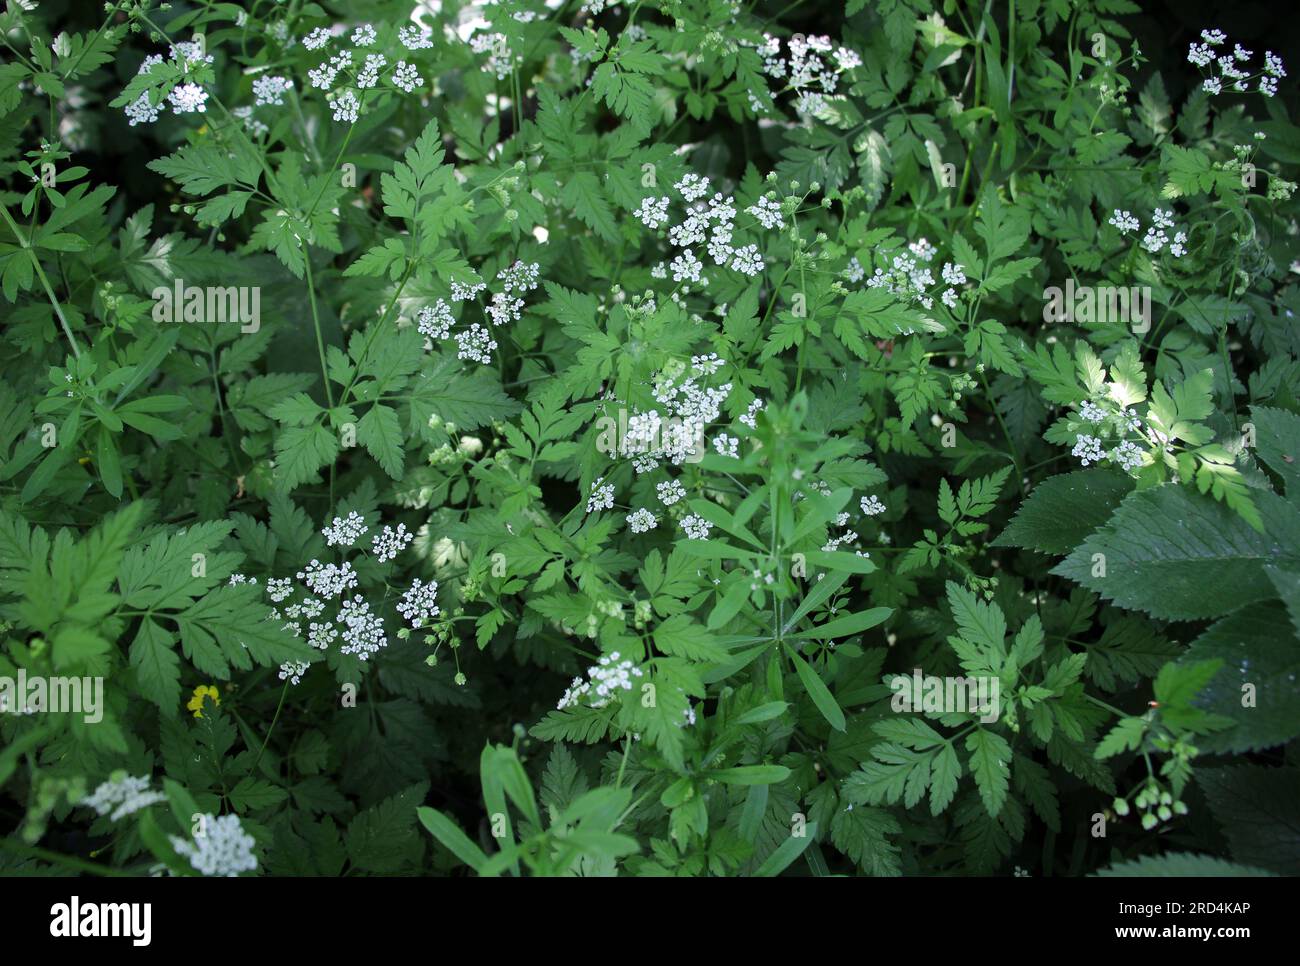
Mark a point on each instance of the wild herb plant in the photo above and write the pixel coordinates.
(687, 437)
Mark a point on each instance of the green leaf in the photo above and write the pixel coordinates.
(452, 838)
(1180, 556)
(1180, 865)
(1259, 810)
(990, 764)
(784, 855)
(1063, 510)
(380, 433)
(817, 690)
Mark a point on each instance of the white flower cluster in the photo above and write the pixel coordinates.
(601, 496)
(188, 99)
(848, 536)
(363, 632)
(476, 343)
(292, 671)
(328, 580)
(186, 96)
(670, 492)
(641, 521)
(418, 603)
(1228, 70)
(388, 543)
(415, 37)
(345, 531)
(711, 223)
(271, 90)
(349, 71)
(220, 847)
(435, 321)
(1090, 411)
(910, 277)
(695, 527)
(501, 59)
(608, 676)
(1116, 422)
(807, 69)
(871, 505)
(1087, 449)
(122, 795)
(329, 586)
(1157, 236)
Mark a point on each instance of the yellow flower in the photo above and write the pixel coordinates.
(196, 702)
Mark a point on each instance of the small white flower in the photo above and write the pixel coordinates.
(768, 213)
(406, 76)
(188, 99)
(345, 531)
(220, 847)
(476, 344)
(142, 110)
(328, 580)
(1091, 411)
(418, 604)
(1087, 449)
(692, 186)
(670, 492)
(1127, 455)
(364, 35)
(292, 671)
(747, 261)
(695, 527)
(601, 496)
(871, 505)
(641, 521)
(368, 76)
(388, 543)
(271, 90)
(347, 107)
(316, 39)
(1124, 221)
(1199, 54)
(653, 212)
(435, 321)
(122, 795)
(686, 267)
(415, 37)
(520, 277)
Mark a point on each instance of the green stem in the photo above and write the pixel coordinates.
(40, 272)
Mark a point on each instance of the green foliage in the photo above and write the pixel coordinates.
(669, 439)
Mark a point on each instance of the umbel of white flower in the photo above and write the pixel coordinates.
(122, 795)
(221, 847)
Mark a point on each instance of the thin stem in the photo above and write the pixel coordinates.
(49, 289)
(315, 321)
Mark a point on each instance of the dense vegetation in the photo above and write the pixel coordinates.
(689, 437)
